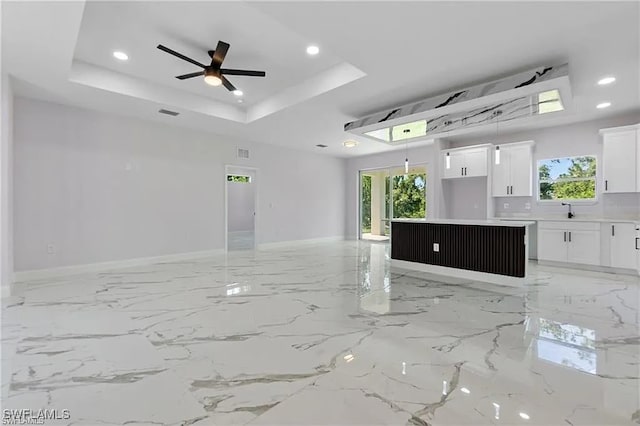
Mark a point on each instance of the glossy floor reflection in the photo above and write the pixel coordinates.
(324, 334)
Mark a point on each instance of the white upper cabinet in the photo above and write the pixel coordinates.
(621, 159)
(464, 162)
(476, 162)
(512, 170)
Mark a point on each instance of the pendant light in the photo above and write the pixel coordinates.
(497, 114)
(406, 151)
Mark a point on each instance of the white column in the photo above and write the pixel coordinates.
(6, 186)
(377, 203)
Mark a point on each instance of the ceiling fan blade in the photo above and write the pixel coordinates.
(219, 54)
(230, 87)
(193, 74)
(243, 72)
(180, 55)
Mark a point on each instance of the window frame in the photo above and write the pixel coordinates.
(574, 201)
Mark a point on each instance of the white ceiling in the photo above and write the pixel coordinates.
(257, 42)
(374, 55)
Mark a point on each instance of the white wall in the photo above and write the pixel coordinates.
(470, 200)
(99, 187)
(467, 198)
(6, 186)
(564, 141)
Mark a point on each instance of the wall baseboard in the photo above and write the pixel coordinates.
(592, 268)
(38, 274)
(290, 243)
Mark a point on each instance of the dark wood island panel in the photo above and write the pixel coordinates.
(484, 248)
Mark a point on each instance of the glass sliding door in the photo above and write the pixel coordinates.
(375, 207)
(409, 194)
(390, 193)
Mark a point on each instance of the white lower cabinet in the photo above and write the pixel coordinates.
(584, 246)
(623, 253)
(552, 245)
(577, 242)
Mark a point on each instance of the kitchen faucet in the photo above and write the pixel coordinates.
(570, 214)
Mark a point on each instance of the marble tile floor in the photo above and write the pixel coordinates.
(325, 334)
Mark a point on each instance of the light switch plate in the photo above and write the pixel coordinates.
(436, 247)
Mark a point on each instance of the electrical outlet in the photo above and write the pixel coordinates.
(527, 206)
(506, 206)
(51, 249)
(436, 247)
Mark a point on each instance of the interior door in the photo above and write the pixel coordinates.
(241, 208)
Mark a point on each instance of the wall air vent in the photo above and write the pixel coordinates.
(243, 153)
(320, 145)
(525, 95)
(168, 112)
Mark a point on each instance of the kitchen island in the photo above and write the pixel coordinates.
(485, 250)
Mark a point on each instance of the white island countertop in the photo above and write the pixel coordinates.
(566, 219)
(490, 222)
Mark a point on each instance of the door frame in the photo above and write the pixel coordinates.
(255, 171)
(425, 164)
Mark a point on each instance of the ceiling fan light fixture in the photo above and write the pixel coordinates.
(212, 78)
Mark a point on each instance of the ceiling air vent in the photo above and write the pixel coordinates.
(167, 112)
(243, 153)
(320, 145)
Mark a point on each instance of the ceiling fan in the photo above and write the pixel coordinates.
(213, 74)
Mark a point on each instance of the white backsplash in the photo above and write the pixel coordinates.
(614, 206)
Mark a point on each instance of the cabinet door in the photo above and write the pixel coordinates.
(453, 167)
(552, 245)
(500, 180)
(521, 173)
(475, 162)
(623, 245)
(583, 247)
(619, 161)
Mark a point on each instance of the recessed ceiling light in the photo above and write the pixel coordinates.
(238, 92)
(606, 80)
(524, 416)
(603, 105)
(465, 390)
(120, 55)
(240, 101)
(350, 143)
(313, 50)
